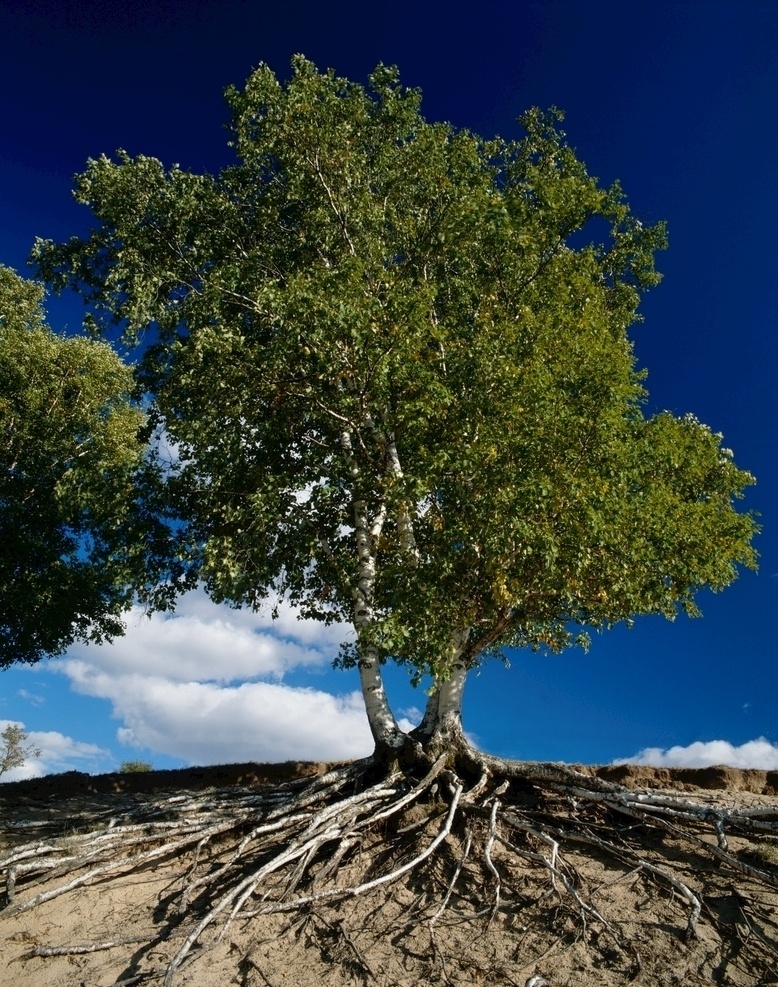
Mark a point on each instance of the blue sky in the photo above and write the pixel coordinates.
(677, 101)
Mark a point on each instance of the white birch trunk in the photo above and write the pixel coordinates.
(427, 726)
(448, 723)
(404, 522)
(383, 725)
(443, 714)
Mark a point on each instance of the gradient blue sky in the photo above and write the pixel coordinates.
(676, 100)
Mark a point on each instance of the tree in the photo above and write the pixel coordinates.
(13, 753)
(71, 451)
(393, 359)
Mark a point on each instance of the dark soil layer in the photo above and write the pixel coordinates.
(75, 783)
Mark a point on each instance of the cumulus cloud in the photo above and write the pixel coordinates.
(208, 643)
(256, 721)
(58, 753)
(206, 685)
(759, 754)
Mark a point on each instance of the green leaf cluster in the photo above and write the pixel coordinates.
(76, 537)
(456, 305)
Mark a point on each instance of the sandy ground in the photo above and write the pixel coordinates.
(386, 937)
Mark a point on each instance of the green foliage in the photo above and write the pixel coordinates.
(13, 753)
(70, 461)
(363, 278)
(135, 767)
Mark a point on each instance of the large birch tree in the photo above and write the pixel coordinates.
(393, 359)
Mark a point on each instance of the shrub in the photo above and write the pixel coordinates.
(132, 767)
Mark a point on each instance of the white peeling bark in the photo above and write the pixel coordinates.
(448, 722)
(443, 714)
(383, 726)
(427, 726)
(404, 522)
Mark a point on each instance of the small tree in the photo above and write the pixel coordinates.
(13, 753)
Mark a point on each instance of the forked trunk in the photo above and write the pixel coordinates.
(441, 725)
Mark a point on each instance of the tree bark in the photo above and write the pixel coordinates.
(427, 726)
(404, 522)
(441, 724)
(383, 726)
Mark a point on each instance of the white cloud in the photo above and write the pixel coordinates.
(759, 754)
(256, 721)
(166, 451)
(31, 697)
(206, 685)
(409, 718)
(204, 642)
(58, 753)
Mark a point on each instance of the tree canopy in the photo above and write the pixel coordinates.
(393, 360)
(70, 451)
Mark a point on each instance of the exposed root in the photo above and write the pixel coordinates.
(526, 848)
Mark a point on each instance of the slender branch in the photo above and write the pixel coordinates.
(341, 216)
